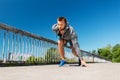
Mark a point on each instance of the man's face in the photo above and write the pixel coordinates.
(61, 24)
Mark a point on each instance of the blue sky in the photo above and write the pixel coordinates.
(97, 22)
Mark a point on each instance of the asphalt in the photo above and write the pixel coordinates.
(94, 71)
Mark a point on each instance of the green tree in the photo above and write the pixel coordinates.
(115, 47)
(52, 55)
(106, 52)
(116, 53)
(32, 59)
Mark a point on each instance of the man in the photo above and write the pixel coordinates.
(67, 34)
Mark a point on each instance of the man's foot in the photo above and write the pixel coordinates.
(62, 63)
(79, 62)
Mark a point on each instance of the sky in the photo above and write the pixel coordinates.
(96, 22)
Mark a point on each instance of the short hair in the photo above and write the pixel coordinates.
(62, 18)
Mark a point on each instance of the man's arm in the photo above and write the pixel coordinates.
(55, 29)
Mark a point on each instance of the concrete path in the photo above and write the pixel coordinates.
(97, 71)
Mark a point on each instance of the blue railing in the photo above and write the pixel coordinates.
(18, 46)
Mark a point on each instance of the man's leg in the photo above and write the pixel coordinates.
(76, 51)
(61, 51)
(75, 54)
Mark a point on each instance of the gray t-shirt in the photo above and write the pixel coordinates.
(69, 32)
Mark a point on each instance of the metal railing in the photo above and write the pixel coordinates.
(19, 46)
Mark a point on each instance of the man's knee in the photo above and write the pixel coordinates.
(73, 49)
(60, 42)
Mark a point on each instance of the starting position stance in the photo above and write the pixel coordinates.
(67, 34)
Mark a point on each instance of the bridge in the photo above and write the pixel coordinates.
(24, 48)
(37, 58)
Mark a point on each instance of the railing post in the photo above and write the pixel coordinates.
(33, 49)
(93, 58)
(20, 48)
(17, 46)
(13, 50)
(8, 53)
(29, 41)
(3, 48)
(37, 51)
(40, 58)
(26, 43)
(22, 37)
(0, 37)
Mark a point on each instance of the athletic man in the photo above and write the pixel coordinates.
(67, 34)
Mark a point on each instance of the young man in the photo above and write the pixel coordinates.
(67, 34)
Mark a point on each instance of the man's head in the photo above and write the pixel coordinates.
(61, 23)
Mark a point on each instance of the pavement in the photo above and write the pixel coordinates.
(94, 71)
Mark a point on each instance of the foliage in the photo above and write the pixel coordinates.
(111, 53)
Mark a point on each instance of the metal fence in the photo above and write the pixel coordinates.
(18, 46)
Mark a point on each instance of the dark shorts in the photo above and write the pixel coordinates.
(74, 43)
(68, 42)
